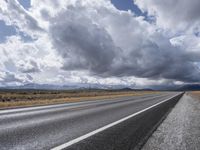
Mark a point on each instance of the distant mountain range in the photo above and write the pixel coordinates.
(68, 87)
(76, 86)
(190, 87)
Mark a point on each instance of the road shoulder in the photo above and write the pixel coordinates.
(180, 130)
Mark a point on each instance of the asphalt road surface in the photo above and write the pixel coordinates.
(110, 124)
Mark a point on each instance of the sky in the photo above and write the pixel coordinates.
(135, 43)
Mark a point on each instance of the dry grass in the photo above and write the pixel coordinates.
(33, 98)
(195, 94)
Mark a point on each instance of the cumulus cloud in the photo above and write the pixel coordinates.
(22, 59)
(102, 44)
(14, 14)
(28, 66)
(172, 14)
(9, 77)
(106, 42)
(15, 50)
(82, 43)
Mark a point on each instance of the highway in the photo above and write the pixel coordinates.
(110, 124)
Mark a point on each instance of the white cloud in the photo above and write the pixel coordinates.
(26, 58)
(89, 41)
(107, 42)
(173, 14)
(28, 66)
(9, 78)
(14, 14)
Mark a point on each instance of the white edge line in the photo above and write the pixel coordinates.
(76, 140)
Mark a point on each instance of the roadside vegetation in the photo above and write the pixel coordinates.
(195, 94)
(15, 98)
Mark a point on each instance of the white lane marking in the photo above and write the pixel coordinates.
(76, 140)
(18, 110)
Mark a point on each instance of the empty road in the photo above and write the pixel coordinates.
(117, 124)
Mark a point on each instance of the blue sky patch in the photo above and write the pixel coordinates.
(6, 31)
(127, 5)
(25, 3)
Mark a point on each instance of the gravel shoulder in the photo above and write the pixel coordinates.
(180, 130)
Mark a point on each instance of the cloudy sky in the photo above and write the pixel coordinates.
(140, 43)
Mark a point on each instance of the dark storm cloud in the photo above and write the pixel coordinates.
(159, 61)
(83, 44)
(87, 43)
